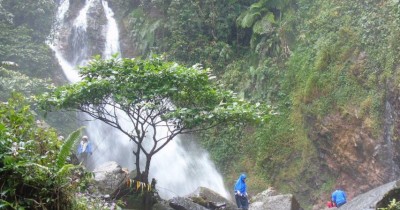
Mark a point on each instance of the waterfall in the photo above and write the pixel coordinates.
(112, 35)
(393, 169)
(182, 166)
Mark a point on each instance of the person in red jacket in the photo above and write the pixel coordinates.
(330, 204)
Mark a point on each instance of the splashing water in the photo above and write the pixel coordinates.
(181, 167)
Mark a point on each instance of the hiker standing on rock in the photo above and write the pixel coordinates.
(84, 150)
(241, 193)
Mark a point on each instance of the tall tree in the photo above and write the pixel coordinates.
(141, 98)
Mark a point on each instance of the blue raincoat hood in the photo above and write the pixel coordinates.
(241, 184)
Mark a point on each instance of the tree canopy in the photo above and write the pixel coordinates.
(140, 97)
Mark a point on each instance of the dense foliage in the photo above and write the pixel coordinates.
(25, 26)
(394, 205)
(33, 169)
(12, 81)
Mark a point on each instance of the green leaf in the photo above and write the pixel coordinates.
(66, 148)
(264, 26)
(249, 18)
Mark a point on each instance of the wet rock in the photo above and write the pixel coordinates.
(162, 205)
(89, 32)
(357, 158)
(181, 203)
(376, 198)
(272, 200)
(210, 199)
(109, 177)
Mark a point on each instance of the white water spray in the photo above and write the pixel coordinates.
(179, 168)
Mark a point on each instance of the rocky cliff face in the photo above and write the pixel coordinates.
(359, 158)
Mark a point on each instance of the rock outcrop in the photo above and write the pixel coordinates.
(359, 159)
(109, 177)
(209, 198)
(376, 198)
(181, 203)
(272, 200)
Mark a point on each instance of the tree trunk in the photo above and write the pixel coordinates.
(147, 169)
(143, 176)
(137, 164)
(148, 199)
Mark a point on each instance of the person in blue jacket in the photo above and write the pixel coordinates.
(241, 193)
(84, 150)
(339, 197)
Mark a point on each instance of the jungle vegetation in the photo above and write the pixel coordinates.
(306, 58)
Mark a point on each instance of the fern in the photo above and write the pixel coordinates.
(65, 150)
(264, 26)
(35, 165)
(261, 11)
(259, 5)
(4, 204)
(249, 19)
(64, 170)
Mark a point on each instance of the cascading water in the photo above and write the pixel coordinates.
(179, 168)
(393, 168)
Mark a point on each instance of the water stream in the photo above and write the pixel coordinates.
(388, 142)
(181, 166)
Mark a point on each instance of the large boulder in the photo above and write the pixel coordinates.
(208, 198)
(162, 205)
(376, 198)
(109, 177)
(181, 203)
(201, 199)
(271, 200)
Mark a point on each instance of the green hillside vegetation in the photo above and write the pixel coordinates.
(307, 58)
(34, 172)
(25, 27)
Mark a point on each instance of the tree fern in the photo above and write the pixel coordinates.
(261, 10)
(65, 150)
(264, 26)
(249, 18)
(251, 15)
